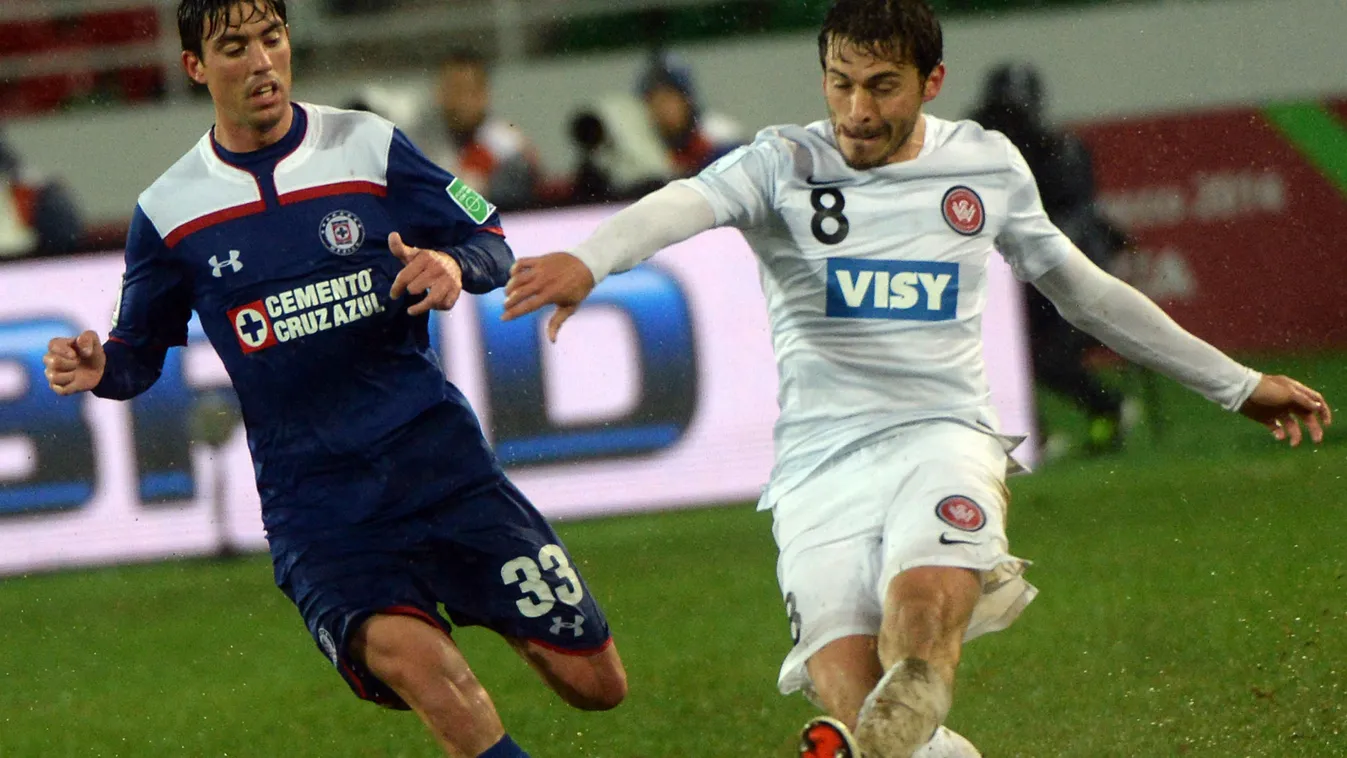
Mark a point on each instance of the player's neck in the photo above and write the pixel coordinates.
(911, 149)
(239, 138)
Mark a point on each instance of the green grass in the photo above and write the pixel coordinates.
(1194, 603)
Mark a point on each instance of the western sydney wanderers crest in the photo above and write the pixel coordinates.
(342, 232)
(961, 513)
(964, 211)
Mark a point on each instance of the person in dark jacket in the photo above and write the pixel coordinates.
(1012, 102)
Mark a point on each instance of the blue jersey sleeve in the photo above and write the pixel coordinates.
(152, 313)
(435, 210)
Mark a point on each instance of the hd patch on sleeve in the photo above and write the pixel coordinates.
(472, 203)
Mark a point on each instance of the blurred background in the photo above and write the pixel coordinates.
(1193, 572)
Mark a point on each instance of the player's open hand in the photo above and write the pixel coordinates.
(74, 364)
(431, 272)
(558, 279)
(1281, 404)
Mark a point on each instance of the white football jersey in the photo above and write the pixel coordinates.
(875, 280)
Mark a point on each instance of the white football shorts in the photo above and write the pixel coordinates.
(932, 495)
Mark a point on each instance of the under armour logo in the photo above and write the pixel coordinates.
(574, 626)
(218, 266)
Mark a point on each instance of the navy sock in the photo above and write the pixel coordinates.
(506, 748)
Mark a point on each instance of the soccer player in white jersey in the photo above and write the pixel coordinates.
(873, 231)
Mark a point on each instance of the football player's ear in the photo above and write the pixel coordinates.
(196, 70)
(931, 87)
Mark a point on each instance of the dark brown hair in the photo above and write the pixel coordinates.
(199, 20)
(903, 31)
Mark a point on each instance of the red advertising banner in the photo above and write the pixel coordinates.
(1239, 219)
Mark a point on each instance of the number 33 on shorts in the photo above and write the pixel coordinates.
(539, 597)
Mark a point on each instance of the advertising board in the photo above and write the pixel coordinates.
(660, 393)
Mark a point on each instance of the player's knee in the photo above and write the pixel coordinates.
(933, 595)
(397, 665)
(609, 694)
(926, 613)
(604, 690)
(410, 658)
(916, 614)
(604, 699)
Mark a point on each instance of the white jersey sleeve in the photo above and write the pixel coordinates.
(1133, 326)
(666, 216)
(738, 190)
(741, 186)
(1029, 242)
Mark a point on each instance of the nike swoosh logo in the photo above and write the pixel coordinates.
(812, 182)
(945, 540)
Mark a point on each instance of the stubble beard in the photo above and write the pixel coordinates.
(907, 128)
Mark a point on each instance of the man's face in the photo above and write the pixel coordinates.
(464, 96)
(873, 103)
(670, 111)
(246, 67)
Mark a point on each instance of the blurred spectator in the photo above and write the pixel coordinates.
(37, 215)
(693, 138)
(632, 145)
(403, 106)
(621, 158)
(1012, 102)
(489, 153)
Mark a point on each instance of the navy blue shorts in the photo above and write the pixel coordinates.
(485, 558)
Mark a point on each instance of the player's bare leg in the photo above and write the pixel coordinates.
(595, 682)
(428, 671)
(843, 673)
(926, 611)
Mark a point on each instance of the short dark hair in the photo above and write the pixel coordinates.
(198, 20)
(905, 31)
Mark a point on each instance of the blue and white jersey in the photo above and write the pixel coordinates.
(283, 254)
(875, 280)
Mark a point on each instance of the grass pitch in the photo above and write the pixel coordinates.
(1194, 603)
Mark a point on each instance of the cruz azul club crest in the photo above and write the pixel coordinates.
(341, 232)
(964, 211)
(253, 327)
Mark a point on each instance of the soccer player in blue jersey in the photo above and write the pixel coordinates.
(312, 242)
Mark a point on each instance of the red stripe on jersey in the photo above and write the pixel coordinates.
(493, 230)
(414, 612)
(351, 677)
(581, 653)
(337, 188)
(211, 219)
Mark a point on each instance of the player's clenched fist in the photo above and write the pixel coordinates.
(558, 279)
(431, 272)
(74, 364)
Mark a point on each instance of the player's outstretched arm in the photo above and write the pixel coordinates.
(74, 364)
(1137, 329)
(662, 218)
